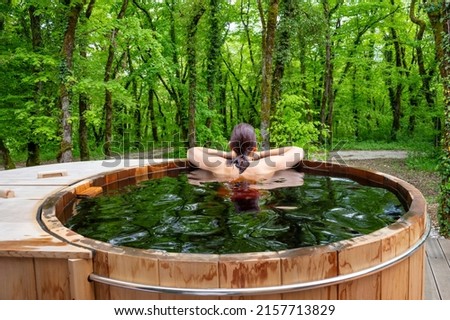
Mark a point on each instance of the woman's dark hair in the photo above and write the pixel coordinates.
(242, 142)
(244, 197)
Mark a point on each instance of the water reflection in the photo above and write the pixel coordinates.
(194, 212)
(246, 194)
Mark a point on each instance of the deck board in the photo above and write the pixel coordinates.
(437, 278)
(431, 289)
(445, 245)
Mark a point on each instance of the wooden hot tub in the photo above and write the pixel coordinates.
(386, 264)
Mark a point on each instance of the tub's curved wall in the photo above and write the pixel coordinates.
(402, 280)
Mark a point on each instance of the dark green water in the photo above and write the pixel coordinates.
(171, 214)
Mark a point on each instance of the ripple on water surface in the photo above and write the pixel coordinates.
(173, 215)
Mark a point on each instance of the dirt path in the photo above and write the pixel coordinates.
(368, 155)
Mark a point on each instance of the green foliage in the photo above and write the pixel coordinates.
(290, 124)
(444, 196)
(444, 165)
(151, 56)
(214, 137)
(424, 160)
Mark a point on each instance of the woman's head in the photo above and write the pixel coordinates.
(243, 143)
(243, 139)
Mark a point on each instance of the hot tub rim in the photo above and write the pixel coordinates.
(51, 224)
(411, 195)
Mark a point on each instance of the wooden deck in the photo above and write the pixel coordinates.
(437, 275)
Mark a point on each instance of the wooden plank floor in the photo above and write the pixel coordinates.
(437, 264)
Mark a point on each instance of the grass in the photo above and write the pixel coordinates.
(424, 161)
(382, 145)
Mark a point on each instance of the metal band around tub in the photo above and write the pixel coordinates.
(264, 290)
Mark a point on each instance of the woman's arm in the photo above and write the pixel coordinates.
(209, 152)
(208, 159)
(279, 159)
(220, 153)
(218, 162)
(277, 152)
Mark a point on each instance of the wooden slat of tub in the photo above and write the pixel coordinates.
(67, 212)
(416, 218)
(133, 268)
(309, 264)
(52, 279)
(102, 291)
(80, 287)
(126, 173)
(250, 271)
(99, 181)
(111, 181)
(90, 192)
(417, 272)
(395, 279)
(17, 279)
(359, 254)
(80, 187)
(195, 271)
(141, 174)
(416, 261)
(365, 288)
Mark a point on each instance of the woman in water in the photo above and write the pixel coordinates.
(244, 162)
(247, 170)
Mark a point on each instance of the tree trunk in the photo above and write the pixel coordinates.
(83, 102)
(192, 72)
(213, 55)
(268, 44)
(33, 146)
(426, 76)
(6, 156)
(175, 88)
(223, 100)
(245, 20)
(150, 113)
(282, 49)
(355, 109)
(34, 154)
(83, 130)
(66, 146)
(435, 16)
(395, 87)
(303, 84)
(108, 105)
(137, 126)
(327, 103)
(151, 110)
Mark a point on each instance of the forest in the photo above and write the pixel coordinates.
(86, 79)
